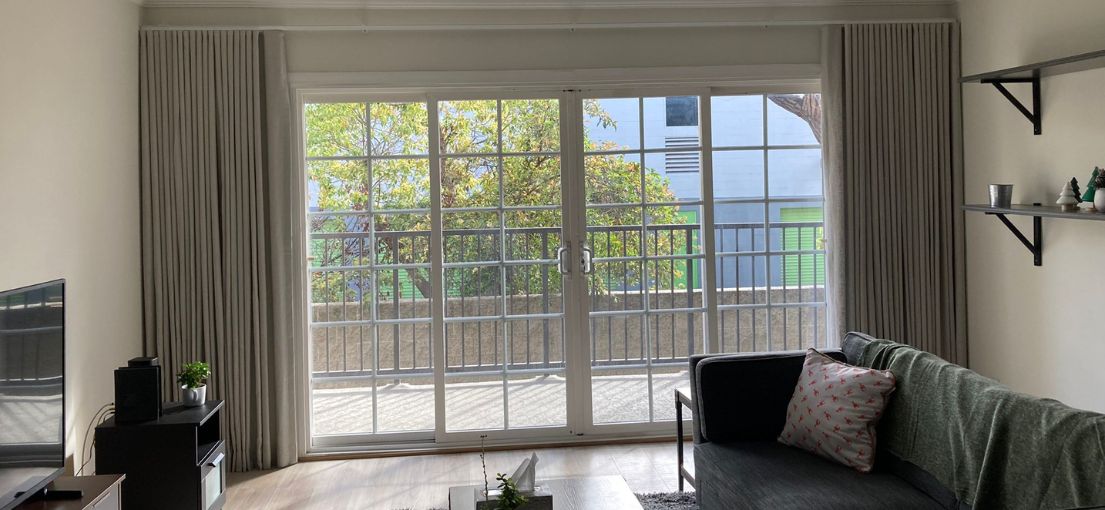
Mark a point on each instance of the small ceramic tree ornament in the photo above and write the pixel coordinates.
(1067, 201)
(1074, 188)
(1091, 186)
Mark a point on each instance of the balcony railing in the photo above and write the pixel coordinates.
(644, 274)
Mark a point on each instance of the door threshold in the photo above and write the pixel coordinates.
(413, 449)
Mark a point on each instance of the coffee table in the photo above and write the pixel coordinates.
(590, 493)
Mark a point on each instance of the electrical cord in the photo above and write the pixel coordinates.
(106, 411)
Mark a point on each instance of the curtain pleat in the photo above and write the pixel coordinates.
(893, 183)
(215, 125)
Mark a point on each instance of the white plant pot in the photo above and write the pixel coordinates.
(193, 397)
(1099, 200)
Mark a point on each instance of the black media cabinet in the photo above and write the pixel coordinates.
(174, 462)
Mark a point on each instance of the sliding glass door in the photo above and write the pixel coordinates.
(544, 264)
(501, 212)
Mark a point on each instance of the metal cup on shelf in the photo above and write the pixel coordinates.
(1001, 195)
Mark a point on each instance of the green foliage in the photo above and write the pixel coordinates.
(470, 177)
(509, 497)
(194, 375)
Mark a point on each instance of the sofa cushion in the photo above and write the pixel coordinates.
(834, 410)
(769, 475)
(728, 386)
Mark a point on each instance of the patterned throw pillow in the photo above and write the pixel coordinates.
(835, 408)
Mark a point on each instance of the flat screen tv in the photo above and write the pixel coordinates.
(32, 389)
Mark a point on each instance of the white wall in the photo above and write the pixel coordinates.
(69, 180)
(1039, 329)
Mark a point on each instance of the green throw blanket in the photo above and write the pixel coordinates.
(993, 447)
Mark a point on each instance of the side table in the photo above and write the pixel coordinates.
(682, 398)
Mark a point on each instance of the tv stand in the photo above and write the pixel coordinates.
(100, 492)
(176, 462)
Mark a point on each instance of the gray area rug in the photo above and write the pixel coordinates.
(668, 501)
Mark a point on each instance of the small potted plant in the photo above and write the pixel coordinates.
(193, 383)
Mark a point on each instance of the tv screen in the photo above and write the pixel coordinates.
(32, 389)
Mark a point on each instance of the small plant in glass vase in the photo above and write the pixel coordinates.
(193, 383)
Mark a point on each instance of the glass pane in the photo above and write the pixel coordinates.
(794, 173)
(399, 129)
(474, 403)
(473, 291)
(403, 293)
(615, 179)
(405, 404)
(611, 124)
(337, 185)
(336, 129)
(617, 286)
(617, 340)
(673, 231)
(337, 293)
(674, 283)
(793, 119)
(402, 238)
(533, 288)
(665, 379)
(739, 227)
(619, 395)
(468, 127)
(537, 401)
(673, 176)
(675, 337)
(331, 249)
(743, 330)
(338, 349)
(401, 183)
(471, 236)
(531, 125)
(737, 121)
(342, 407)
(532, 235)
(531, 180)
(671, 122)
(741, 279)
(404, 348)
(535, 343)
(469, 182)
(738, 174)
(474, 345)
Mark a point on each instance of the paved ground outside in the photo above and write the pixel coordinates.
(532, 401)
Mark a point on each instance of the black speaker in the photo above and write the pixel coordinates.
(138, 391)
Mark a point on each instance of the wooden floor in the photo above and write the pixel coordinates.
(422, 482)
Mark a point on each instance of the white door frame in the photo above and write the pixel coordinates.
(702, 82)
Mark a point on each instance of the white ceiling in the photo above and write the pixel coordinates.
(522, 4)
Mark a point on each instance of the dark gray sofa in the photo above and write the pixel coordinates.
(740, 406)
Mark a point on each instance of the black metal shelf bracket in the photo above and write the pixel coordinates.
(1036, 244)
(1035, 115)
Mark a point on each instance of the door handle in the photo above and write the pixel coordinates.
(562, 260)
(217, 460)
(587, 260)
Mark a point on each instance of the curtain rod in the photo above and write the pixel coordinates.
(538, 26)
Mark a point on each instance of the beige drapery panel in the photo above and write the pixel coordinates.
(894, 184)
(217, 248)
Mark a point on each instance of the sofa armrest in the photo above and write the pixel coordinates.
(744, 397)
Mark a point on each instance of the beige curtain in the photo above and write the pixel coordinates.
(894, 184)
(217, 249)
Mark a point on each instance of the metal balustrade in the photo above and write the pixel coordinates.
(499, 278)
